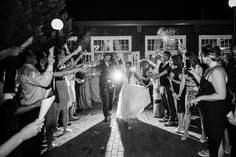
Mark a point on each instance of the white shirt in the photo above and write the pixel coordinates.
(33, 83)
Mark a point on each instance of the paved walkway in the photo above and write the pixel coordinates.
(91, 137)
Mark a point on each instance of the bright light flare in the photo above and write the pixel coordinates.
(117, 75)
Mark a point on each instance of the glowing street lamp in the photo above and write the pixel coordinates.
(57, 24)
(232, 4)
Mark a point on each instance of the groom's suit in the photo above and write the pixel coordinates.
(106, 87)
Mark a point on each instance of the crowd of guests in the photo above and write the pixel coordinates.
(178, 85)
(60, 73)
(205, 84)
(40, 77)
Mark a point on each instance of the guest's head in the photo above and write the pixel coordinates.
(177, 61)
(42, 62)
(194, 62)
(193, 59)
(128, 66)
(212, 54)
(166, 56)
(115, 59)
(233, 49)
(106, 57)
(29, 57)
(115, 56)
(233, 52)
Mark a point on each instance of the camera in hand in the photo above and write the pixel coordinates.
(188, 66)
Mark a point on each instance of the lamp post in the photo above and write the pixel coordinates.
(232, 4)
(57, 25)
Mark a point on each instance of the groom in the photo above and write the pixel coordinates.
(106, 87)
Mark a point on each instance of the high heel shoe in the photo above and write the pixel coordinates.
(179, 130)
(203, 139)
(184, 137)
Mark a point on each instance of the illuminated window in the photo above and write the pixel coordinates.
(156, 43)
(111, 44)
(223, 41)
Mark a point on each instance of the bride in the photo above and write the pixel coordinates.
(133, 98)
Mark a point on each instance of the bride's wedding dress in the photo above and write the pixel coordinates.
(132, 99)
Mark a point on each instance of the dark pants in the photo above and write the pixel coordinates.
(150, 88)
(106, 92)
(9, 124)
(51, 122)
(117, 90)
(168, 103)
(32, 146)
(232, 138)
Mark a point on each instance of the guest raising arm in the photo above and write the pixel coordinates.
(27, 132)
(12, 51)
(30, 75)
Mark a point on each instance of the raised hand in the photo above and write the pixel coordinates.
(145, 78)
(51, 51)
(32, 129)
(180, 47)
(67, 49)
(172, 75)
(28, 42)
(149, 73)
(15, 51)
(142, 84)
(51, 60)
(231, 118)
(177, 97)
(77, 51)
(96, 62)
(81, 68)
(195, 100)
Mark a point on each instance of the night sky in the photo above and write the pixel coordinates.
(149, 10)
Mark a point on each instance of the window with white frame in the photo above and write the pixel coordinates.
(223, 41)
(156, 43)
(111, 44)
